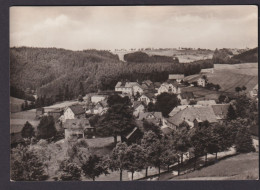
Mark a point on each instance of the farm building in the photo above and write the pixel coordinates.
(179, 108)
(74, 112)
(189, 114)
(129, 88)
(254, 92)
(176, 77)
(77, 128)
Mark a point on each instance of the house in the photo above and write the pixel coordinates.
(153, 117)
(176, 77)
(206, 102)
(220, 110)
(169, 88)
(157, 85)
(185, 97)
(131, 88)
(205, 71)
(77, 128)
(98, 98)
(147, 98)
(138, 108)
(39, 112)
(100, 108)
(189, 114)
(201, 82)
(74, 112)
(181, 107)
(133, 137)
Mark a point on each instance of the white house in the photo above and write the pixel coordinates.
(129, 88)
(147, 98)
(254, 92)
(201, 82)
(169, 88)
(176, 77)
(74, 112)
(98, 98)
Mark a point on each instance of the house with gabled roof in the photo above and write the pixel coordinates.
(147, 98)
(153, 117)
(74, 112)
(220, 110)
(129, 88)
(98, 98)
(189, 114)
(173, 88)
(77, 128)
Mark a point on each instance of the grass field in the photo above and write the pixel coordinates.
(228, 77)
(16, 104)
(240, 167)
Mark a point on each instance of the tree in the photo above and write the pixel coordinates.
(151, 107)
(46, 128)
(28, 130)
(166, 102)
(148, 126)
(116, 99)
(80, 98)
(243, 88)
(81, 89)
(118, 120)
(69, 171)
(94, 167)
(136, 159)
(242, 106)
(119, 158)
(243, 142)
(153, 149)
(238, 89)
(231, 115)
(26, 166)
(181, 141)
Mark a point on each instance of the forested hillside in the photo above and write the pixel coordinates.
(225, 56)
(50, 70)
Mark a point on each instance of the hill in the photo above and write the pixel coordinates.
(226, 56)
(16, 104)
(240, 167)
(52, 71)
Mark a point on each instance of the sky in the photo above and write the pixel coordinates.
(116, 27)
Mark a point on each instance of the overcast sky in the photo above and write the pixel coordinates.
(80, 28)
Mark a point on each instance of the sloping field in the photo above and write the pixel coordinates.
(240, 167)
(231, 76)
(16, 104)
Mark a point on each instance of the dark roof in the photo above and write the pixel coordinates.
(176, 76)
(77, 124)
(187, 95)
(136, 104)
(167, 130)
(190, 113)
(157, 84)
(220, 110)
(77, 109)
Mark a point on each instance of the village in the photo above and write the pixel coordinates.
(77, 120)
